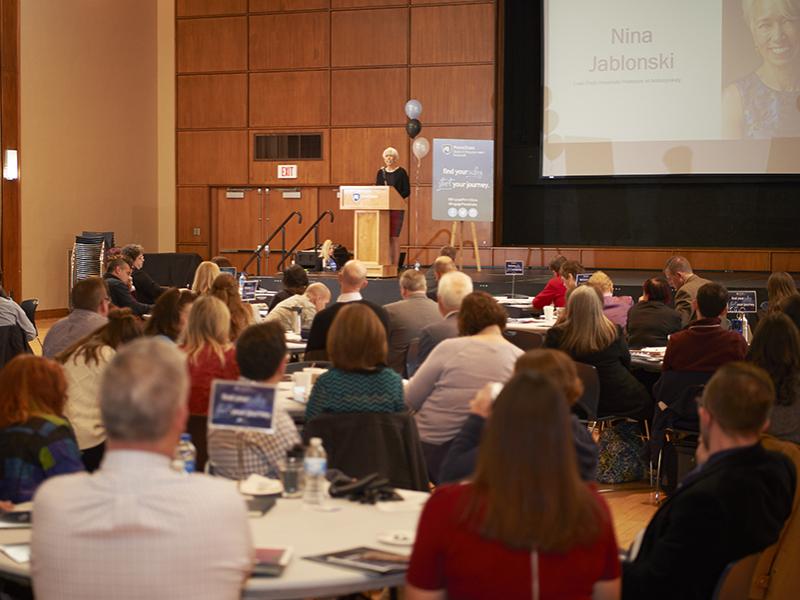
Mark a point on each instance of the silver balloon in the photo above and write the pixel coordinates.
(413, 109)
(421, 147)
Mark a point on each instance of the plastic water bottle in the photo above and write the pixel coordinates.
(416, 265)
(315, 465)
(332, 264)
(185, 455)
(242, 279)
(297, 325)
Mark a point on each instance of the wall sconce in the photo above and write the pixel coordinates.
(10, 165)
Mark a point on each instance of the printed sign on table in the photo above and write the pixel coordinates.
(463, 180)
(740, 301)
(242, 405)
(515, 267)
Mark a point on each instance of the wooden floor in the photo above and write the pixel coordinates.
(631, 505)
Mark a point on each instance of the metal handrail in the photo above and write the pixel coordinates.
(314, 227)
(282, 228)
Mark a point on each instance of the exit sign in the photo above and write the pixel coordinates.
(287, 171)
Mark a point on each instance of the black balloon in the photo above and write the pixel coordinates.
(413, 127)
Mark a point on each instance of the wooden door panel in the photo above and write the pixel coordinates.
(239, 221)
(277, 208)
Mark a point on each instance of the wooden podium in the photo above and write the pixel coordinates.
(372, 204)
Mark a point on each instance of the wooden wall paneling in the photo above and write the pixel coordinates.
(278, 208)
(11, 210)
(212, 157)
(458, 132)
(290, 99)
(454, 94)
(620, 258)
(425, 256)
(193, 214)
(356, 154)
(453, 34)
(205, 45)
(286, 5)
(200, 8)
(309, 172)
(369, 97)
(369, 37)
(238, 222)
(341, 230)
(530, 256)
(785, 261)
(424, 231)
(726, 260)
(366, 3)
(289, 41)
(201, 249)
(206, 101)
(446, 1)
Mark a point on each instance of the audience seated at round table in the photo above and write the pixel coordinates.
(614, 307)
(170, 314)
(526, 521)
(295, 281)
(84, 363)
(226, 289)
(589, 337)
(359, 381)
(652, 320)
(36, 440)
(204, 276)
(211, 355)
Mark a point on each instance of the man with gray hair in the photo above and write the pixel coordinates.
(408, 316)
(453, 287)
(680, 276)
(352, 279)
(442, 265)
(136, 528)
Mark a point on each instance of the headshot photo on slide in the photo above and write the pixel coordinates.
(761, 69)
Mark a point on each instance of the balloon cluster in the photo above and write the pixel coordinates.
(421, 146)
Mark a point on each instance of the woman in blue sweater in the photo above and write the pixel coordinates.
(359, 380)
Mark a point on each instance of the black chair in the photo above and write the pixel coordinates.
(299, 366)
(412, 358)
(29, 307)
(587, 405)
(12, 343)
(524, 340)
(359, 444)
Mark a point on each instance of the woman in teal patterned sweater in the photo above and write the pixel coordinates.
(359, 380)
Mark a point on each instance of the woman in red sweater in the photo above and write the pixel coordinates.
(526, 527)
(210, 356)
(555, 291)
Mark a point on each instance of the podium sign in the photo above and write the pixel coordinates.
(372, 204)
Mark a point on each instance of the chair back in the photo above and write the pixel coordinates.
(524, 340)
(29, 307)
(412, 358)
(734, 583)
(359, 444)
(12, 342)
(589, 401)
(294, 367)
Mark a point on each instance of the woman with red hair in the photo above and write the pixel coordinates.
(36, 441)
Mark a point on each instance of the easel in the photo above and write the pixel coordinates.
(461, 242)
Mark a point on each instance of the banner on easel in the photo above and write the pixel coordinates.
(463, 180)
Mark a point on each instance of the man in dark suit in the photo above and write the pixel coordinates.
(118, 280)
(680, 276)
(732, 505)
(453, 287)
(352, 279)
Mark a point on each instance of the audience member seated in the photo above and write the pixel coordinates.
(84, 363)
(295, 281)
(170, 314)
(732, 505)
(261, 356)
(430, 277)
(222, 261)
(307, 305)
(359, 381)
(791, 308)
(441, 389)
(211, 356)
(118, 280)
(407, 317)
(352, 279)
(569, 275)
(204, 276)
(780, 286)
(12, 314)
(453, 288)
(226, 289)
(776, 349)
(614, 307)
(554, 292)
(558, 367)
(589, 337)
(441, 266)
(652, 320)
(679, 274)
(146, 290)
(137, 528)
(704, 345)
(36, 441)
(526, 506)
(90, 302)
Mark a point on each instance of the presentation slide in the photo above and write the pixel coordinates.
(657, 87)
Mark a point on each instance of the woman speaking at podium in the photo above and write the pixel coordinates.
(394, 175)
